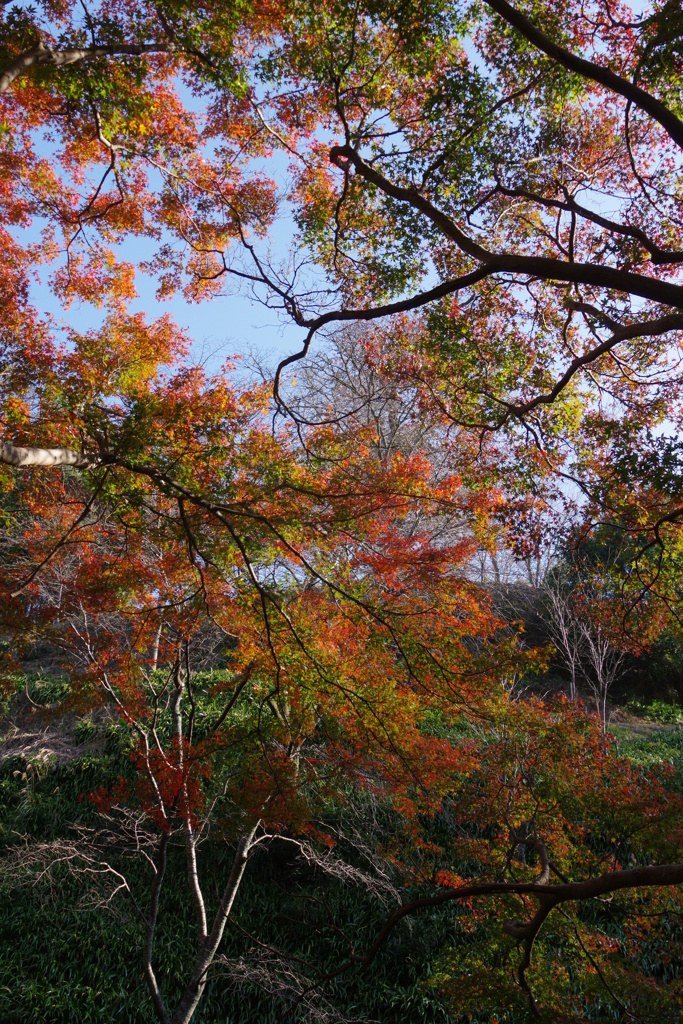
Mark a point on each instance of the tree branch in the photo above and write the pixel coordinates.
(587, 69)
(209, 947)
(21, 457)
(150, 928)
(543, 267)
(550, 896)
(375, 313)
(44, 56)
(626, 333)
(658, 255)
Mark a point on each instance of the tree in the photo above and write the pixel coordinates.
(487, 171)
(446, 161)
(589, 645)
(605, 661)
(565, 628)
(491, 186)
(343, 630)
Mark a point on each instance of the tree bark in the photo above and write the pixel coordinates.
(194, 991)
(44, 56)
(21, 457)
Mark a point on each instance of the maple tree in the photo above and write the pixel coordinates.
(450, 169)
(346, 624)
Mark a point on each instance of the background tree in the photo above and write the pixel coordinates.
(565, 627)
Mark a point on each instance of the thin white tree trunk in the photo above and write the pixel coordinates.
(195, 989)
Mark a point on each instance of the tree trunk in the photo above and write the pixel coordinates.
(195, 989)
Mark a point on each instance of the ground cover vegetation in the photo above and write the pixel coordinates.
(309, 678)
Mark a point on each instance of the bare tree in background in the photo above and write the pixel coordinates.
(588, 648)
(566, 631)
(602, 663)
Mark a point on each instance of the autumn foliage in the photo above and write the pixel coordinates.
(277, 606)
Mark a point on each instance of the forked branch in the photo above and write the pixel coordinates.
(548, 896)
(546, 268)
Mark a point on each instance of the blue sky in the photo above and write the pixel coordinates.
(232, 323)
(227, 325)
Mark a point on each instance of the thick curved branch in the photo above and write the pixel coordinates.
(587, 69)
(21, 457)
(543, 267)
(527, 934)
(651, 328)
(611, 881)
(341, 156)
(658, 255)
(44, 56)
(537, 844)
(549, 897)
(375, 313)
